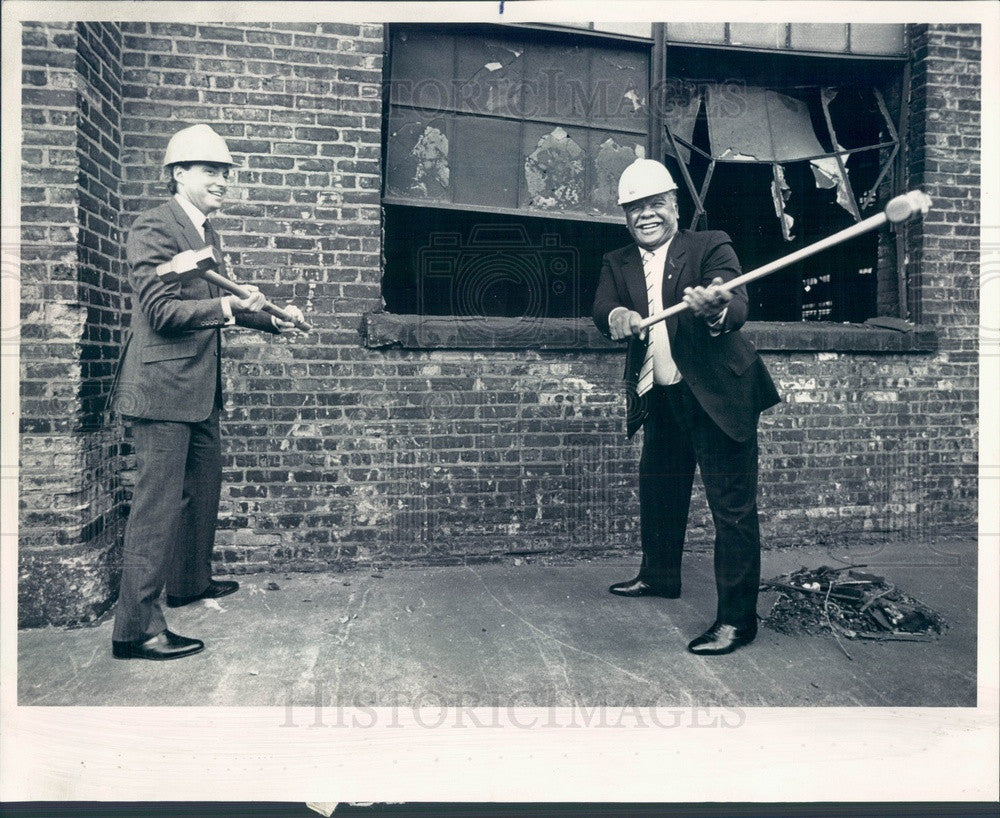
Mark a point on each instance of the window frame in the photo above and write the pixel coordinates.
(414, 331)
(890, 294)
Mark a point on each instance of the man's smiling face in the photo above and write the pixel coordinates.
(652, 221)
(203, 184)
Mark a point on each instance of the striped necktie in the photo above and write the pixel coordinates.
(646, 372)
(658, 361)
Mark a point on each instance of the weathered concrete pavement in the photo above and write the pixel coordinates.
(517, 635)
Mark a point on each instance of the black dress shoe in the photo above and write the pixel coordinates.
(722, 638)
(215, 589)
(165, 645)
(637, 587)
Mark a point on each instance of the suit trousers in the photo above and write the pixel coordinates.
(170, 532)
(678, 437)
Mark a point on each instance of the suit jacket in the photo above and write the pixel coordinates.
(724, 371)
(170, 367)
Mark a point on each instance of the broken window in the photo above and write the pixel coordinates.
(781, 151)
(503, 148)
(503, 152)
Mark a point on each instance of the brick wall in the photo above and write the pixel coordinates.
(337, 455)
(300, 107)
(944, 145)
(70, 523)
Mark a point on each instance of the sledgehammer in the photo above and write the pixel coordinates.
(899, 209)
(203, 264)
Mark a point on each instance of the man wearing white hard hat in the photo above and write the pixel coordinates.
(699, 389)
(170, 385)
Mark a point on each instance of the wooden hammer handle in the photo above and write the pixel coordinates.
(224, 283)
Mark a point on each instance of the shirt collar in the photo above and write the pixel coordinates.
(660, 253)
(197, 217)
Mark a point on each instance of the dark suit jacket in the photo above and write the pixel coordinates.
(170, 367)
(724, 371)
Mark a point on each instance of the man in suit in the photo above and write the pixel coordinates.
(170, 386)
(699, 388)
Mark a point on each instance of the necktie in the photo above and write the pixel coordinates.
(646, 372)
(211, 237)
(658, 360)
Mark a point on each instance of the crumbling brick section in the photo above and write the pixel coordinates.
(71, 511)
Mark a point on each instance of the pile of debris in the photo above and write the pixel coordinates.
(849, 603)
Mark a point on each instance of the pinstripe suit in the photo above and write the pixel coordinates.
(170, 385)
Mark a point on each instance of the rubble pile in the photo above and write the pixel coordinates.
(850, 603)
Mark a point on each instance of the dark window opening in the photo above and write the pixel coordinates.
(503, 149)
(840, 284)
(451, 262)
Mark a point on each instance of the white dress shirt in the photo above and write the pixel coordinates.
(665, 371)
(198, 219)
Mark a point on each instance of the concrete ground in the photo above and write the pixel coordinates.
(524, 634)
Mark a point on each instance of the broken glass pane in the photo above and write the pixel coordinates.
(488, 76)
(609, 160)
(554, 169)
(619, 89)
(557, 80)
(680, 101)
(766, 127)
(417, 156)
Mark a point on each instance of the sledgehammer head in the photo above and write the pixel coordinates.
(909, 204)
(188, 264)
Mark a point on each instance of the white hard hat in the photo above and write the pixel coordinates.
(644, 177)
(199, 143)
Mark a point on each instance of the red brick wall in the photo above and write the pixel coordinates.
(340, 456)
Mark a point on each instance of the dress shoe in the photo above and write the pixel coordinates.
(637, 587)
(215, 589)
(722, 638)
(165, 645)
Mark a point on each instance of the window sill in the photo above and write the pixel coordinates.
(383, 329)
